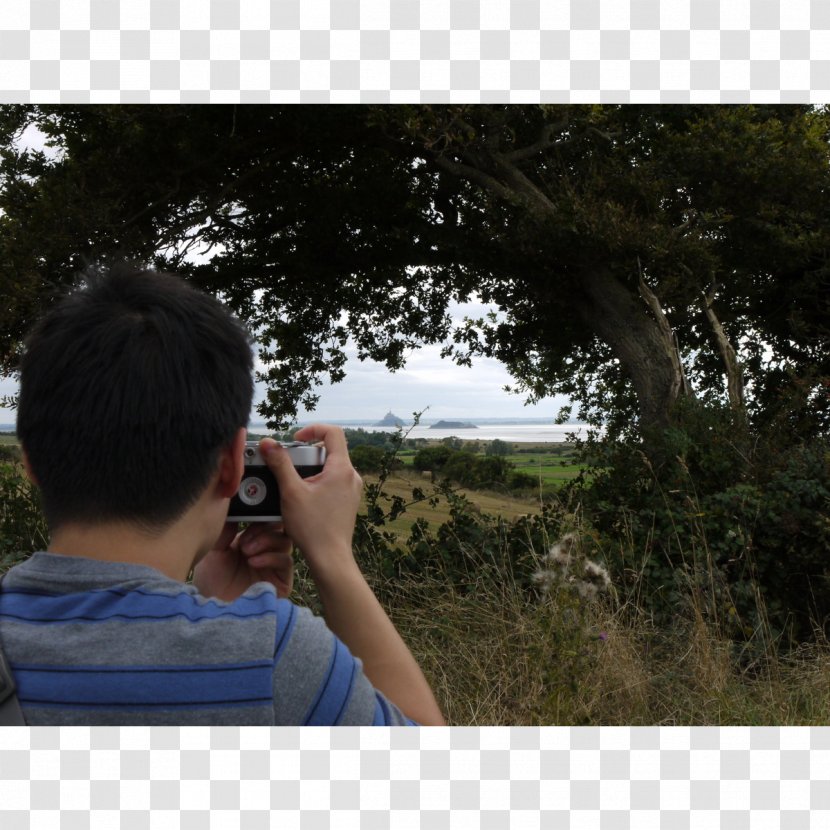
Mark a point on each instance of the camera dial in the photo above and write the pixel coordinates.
(252, 491)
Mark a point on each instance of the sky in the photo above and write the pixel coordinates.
(369, 391)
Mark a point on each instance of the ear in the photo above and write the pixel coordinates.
(30, 474)
(232, 465)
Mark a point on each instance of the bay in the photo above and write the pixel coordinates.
(527, 432)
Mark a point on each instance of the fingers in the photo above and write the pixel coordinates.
(262, 538)
(333, 438)
(333, 493)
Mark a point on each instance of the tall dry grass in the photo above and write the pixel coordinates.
(499, 654)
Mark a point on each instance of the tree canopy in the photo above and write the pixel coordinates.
(639, 255)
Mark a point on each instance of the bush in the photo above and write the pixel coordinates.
(497, 447)
(745, 523)
(366, 458)
(22, 526)
(432, 458)
(361, 437)
(10, 453)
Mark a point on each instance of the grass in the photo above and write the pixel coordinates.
(553, 470)
(401, 482)
(551, 464)
(494, 656)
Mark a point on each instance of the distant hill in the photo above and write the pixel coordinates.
(453, 425)
(389, 420)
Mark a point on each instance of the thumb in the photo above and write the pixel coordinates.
(279, 462)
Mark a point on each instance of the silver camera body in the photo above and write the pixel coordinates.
(258, 497)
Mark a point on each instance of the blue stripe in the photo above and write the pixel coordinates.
(286, 617)
(334, 690)
(96, 606)
(383, 714)
(150, 686)
(348, 696)
(380, 712)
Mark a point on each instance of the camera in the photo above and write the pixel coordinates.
(258, 497)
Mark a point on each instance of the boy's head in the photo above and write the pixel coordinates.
(129, 388)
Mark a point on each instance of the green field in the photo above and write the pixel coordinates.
(550, 469)
(552, 464)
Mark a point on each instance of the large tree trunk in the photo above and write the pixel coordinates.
(643, 343)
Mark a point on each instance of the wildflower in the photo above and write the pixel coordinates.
(546, 579)
(586, 590)
(597, 575)
(603, 635)
(561, 553)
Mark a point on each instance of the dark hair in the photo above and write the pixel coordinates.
(129, 387)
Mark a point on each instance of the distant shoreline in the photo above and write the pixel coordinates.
(425, 422)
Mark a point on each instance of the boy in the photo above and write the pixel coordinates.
(135, 390)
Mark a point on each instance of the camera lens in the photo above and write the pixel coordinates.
(249, 452)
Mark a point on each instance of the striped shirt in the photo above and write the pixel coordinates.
(95, 642)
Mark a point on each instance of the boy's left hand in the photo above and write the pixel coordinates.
(261, 553)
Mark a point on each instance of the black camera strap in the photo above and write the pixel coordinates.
(10, 712)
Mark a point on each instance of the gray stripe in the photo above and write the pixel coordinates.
(221, 716)
(170, 642)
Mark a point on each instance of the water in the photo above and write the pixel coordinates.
(513, 431)
(530, 432)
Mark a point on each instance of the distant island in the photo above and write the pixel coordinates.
(389, 420)
(452, 425)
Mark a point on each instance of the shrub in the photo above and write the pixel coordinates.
(497, 447)
(22, 526)
(744, 522)
(366, 458)
(10, 453)
(432, 458)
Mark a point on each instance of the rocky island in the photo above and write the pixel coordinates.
(389, 420)
(452, 425)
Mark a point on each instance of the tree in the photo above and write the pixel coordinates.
(367, 458)
(639, 255)
(497, 447)
(432, 458)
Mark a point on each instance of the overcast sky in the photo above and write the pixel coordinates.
(369, 390)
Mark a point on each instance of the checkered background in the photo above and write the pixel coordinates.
(414, 50)
(554, 777)
(435, 51)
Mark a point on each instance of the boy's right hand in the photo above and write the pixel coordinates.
(319, 512)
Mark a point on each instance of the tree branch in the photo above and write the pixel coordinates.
(668, 336)
(734, 376)
(473, 174)
(544, 142)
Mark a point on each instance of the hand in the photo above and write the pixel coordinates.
(319, 512)
(261, 553)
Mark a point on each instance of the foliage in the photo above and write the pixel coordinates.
(366, 458)
(497, 447)
(10, 453)
(734, 519)
(22, 526)
(320, 224)
(362, 437)
(453, 442)
(432, 458)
